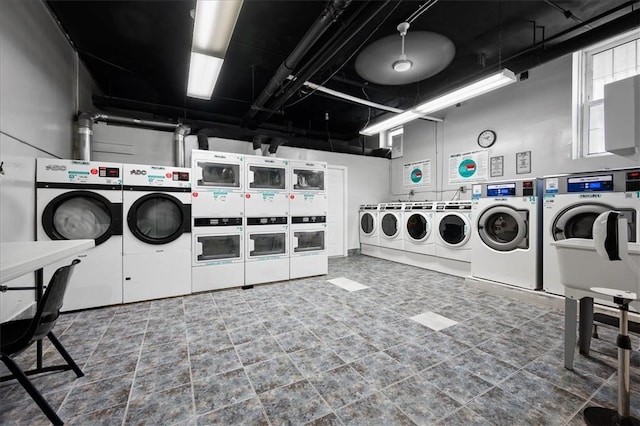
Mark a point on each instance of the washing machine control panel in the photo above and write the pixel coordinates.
(590, 183)
(633, 181)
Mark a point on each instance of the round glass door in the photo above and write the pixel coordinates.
(418, 227)
(389, 225)
(367, 224)
(81, 215)
(453, 230)
(503, 228)
(157, 219)
(577, 222)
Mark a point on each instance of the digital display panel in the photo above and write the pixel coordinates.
(110, 172)
(505, 189)
(590, 183)
(181, 176)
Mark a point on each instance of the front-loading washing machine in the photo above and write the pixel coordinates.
(573, 202)
(83, 200)
(390, 231)
(368, 225)
(266, 249)
(217, 253)
(453, 227)
(505, 243)
(217, 183)
(419, 234)
(156, 242)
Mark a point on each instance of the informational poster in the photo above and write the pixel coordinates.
(468, 167)
(497, 166)
(523, 162)
(416, 174)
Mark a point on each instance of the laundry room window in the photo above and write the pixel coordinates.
(611, 60)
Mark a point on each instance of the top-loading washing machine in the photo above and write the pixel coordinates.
(369, 236)
(267, 188)
(505, 244)
(418, 218)
(453, 227)
(217, 183)
(83, 200)
(573, 202)
(157, 236)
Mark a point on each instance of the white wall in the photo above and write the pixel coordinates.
(532, 115)
(37, 106)
(132, 145)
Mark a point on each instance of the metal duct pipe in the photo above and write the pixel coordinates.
(85, 134)
(182, 130)
(324, 21)
(203, 137)
(275, 144)
(136, 122)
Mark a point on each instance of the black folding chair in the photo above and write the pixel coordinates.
(18, 335)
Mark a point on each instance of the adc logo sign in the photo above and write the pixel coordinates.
(138, 172)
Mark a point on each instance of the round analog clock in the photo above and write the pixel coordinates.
(486, 138)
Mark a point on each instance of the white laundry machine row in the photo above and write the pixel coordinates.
(156, 242)
(573, 202)
(217, 253)
(506, 241)
(267, 249)
(390, 231)
(453, 227)
(218, 184)
(368, 230)
(419, 234)
(83, 200)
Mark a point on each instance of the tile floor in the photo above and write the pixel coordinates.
(310, 352)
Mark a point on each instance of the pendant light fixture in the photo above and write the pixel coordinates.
(402, 64)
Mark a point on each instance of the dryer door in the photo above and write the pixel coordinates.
(454, 229)
(159, 218)
(79, 215)
(389, 225)
(367, 223)
(418, 227)
(577, 221)
(503, 228)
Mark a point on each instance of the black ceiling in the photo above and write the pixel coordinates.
(138, 54)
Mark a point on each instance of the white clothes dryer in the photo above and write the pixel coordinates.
(266, 192)
(267, 253)
(157, 236)
(308, 193)
(308, 255)
(83, 200)
(390, 229)
(217, 253)
(419, 237)
(505, 244)
(573, 202)
(218, 184)
(368, 225)
(453, 230)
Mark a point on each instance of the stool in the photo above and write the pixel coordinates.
(605, 416)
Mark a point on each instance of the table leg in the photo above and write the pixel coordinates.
(570, 315)
(586, 324)
(39, 293)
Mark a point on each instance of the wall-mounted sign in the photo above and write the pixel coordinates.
(416, 174)
(523, 162)
(468, 167)
(497, 166)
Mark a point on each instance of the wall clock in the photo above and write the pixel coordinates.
(486, 138)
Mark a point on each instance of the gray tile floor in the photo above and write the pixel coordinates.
(309, 352)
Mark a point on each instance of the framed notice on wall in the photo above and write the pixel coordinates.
(496, 166)
(416, 174)
(523, 162)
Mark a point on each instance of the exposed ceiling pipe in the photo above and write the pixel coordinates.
(203, 137)
(182, 130)
(85, 133)
(318, 28)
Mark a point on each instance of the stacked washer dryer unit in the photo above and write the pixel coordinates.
(390, 220)
(452, 225)
(83, 200)
(308, 211)
(573, 202)
(266, 208)
(419, 235)
(505, 244)
(369, 236)
(218, 215)
(157, 236)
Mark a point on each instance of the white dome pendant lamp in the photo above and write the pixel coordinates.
(402, 64)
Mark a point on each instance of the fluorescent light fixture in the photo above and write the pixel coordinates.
(214, 24)
(203, 73)
(487, 84)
